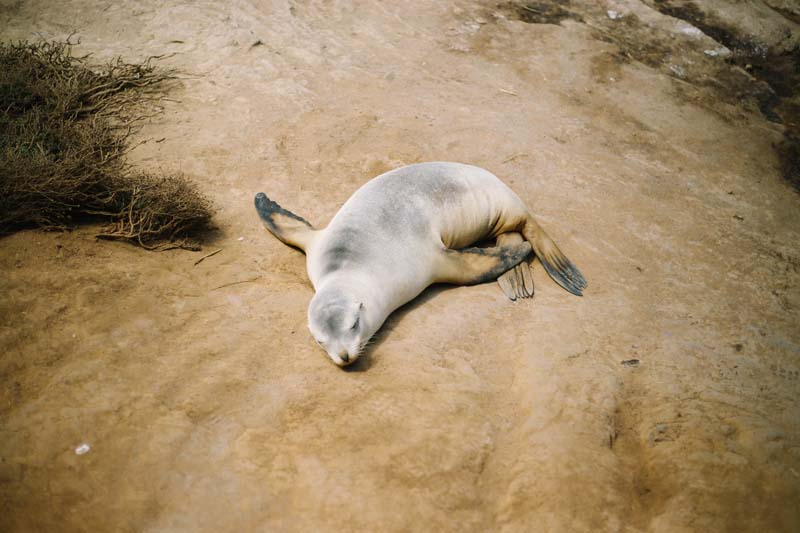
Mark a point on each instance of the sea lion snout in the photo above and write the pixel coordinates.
(336, 320)
(342, 351)
(342, 357)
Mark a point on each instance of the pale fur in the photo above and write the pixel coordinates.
(394, 237)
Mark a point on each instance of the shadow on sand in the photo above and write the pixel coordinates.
(366, 360)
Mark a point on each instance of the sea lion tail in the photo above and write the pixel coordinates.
(554, 261)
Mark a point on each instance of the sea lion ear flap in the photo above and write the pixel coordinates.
(291, 229)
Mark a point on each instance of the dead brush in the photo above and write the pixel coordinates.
(65, 129)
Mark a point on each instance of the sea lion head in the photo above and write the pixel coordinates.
(337, 320)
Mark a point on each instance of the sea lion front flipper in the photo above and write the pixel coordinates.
(285, 225)
(471, 266)
(517, 282)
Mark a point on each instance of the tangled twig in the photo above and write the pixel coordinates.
(65, 129)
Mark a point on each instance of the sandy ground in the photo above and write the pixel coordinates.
(207, 405)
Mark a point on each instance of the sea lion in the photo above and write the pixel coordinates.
(403, 231)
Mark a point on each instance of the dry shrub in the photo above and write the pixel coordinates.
(65, 128)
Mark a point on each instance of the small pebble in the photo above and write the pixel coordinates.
(613, 15)
(678, 70)
(691, 30)
(240, 239)
(82, 449)
(718, 52)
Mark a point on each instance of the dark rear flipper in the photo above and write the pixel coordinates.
(517, 282)
(554, 261)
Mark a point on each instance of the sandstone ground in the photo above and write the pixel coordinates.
(665, 399)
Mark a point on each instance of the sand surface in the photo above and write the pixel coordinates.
(204, 400)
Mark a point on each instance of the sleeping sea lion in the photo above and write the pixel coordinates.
(403, 231)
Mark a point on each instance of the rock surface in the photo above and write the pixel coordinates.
(198, 399)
